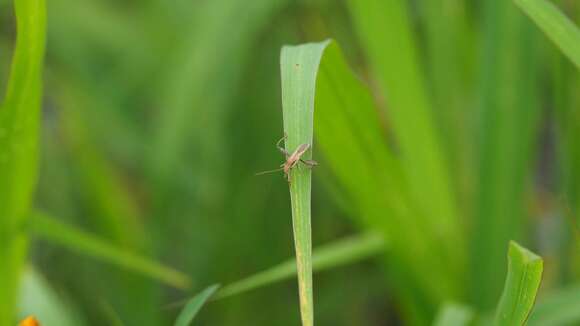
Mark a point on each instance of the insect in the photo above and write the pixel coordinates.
(291, 159)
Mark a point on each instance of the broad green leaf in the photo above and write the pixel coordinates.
(452, 314)
(521, 286)
(299, 65)
(48, 228)
(560, 308)
(193, 306)
(19, 124)
(506, 134)
(555, 25)
(332, 255)
(37, 298)
(387, 40)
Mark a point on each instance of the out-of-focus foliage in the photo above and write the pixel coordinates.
(48, 228)
(19, 127)
(452, 314)
(450, 127)
(38, 299)
(558, 308)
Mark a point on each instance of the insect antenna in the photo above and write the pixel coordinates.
(269, 171)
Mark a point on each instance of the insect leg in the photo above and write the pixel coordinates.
(310, 163)
(280, 148)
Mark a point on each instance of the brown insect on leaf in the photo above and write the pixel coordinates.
(291, 159)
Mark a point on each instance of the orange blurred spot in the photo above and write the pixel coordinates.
(29, 321)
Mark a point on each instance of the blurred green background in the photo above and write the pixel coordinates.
(157, 114)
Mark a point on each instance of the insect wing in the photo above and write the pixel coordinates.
(299, 152)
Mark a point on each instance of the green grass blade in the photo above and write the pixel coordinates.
(350, 137)
(335, 254)
(192, 307)
(299, 65)
(48, 228)
(561, 30)
(560, 308)
(19, 125)
(508, 109)
(453, 314)
(522, 282)
(37, 298)
(386, 36)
